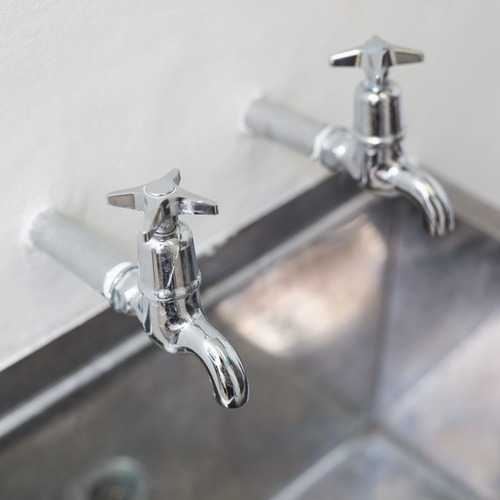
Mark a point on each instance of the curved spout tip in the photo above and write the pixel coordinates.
(229, 380)
(227, 374)
(226, 371)
(192, 333)
(425, 192)
(442, 221)
(181, 327)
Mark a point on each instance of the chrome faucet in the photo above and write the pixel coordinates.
(372, 152)
(163, 291)
(166, 299)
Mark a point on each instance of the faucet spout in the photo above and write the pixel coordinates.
(180, 326)
(229, 381)
(423, 190)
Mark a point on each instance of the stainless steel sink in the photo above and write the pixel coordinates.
(372, 356)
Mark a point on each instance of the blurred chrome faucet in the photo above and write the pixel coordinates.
(372, 152)
(163, 290)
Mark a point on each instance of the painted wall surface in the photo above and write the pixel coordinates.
(101, 95)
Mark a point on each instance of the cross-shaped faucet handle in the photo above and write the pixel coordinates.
(161, 200)
(376, 56)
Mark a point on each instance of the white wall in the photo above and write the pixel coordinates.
(100, 95)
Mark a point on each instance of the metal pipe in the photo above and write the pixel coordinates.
(79, 251)
(278, 123)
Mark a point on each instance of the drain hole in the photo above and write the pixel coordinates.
(114, 488)
(119, 478)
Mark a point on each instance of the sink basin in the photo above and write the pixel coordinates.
(371, 354)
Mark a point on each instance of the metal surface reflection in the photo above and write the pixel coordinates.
(338, 278)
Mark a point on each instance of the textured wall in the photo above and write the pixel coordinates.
(96, 96)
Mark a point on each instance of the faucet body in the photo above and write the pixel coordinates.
(163, 291)
(372, 151)
(167, 302)
(373, 155)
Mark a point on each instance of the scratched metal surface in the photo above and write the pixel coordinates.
(370, 320)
